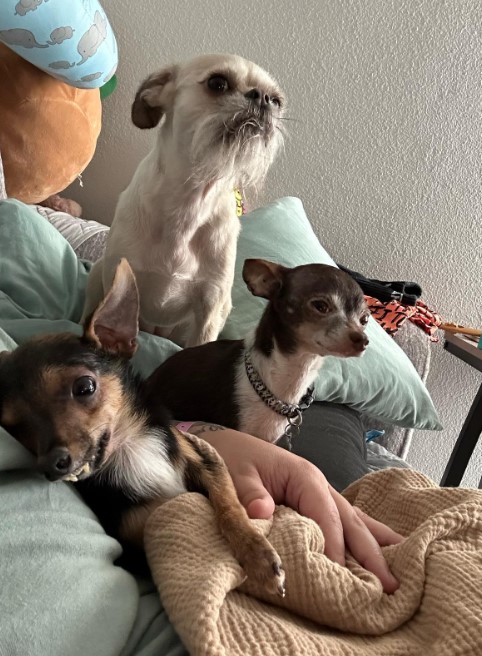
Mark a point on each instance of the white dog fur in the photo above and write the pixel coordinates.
(176, 222)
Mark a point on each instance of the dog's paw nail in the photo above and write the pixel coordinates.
(277, 569)
(279, 583)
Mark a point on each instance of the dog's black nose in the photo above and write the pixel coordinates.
(57, 463)
(360, 340)
(258, 97)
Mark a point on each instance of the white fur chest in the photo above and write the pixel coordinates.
(140, 466)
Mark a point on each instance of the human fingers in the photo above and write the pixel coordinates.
(382, 533)
(308, 491)
(363, 545)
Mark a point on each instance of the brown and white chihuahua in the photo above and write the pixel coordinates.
(256, 384)
(77, 405)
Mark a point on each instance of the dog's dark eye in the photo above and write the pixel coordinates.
(84, 386)
(364, 319)
(218, 83)
(321, 306)
(276, 101)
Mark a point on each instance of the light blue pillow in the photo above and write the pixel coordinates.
(383, 383)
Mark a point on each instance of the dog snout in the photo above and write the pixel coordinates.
(57, 463)
(259, 97)
(359, 340)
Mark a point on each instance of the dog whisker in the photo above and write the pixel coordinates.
(288, 118)
(100, 426)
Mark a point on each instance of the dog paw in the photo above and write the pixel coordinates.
(261, 563)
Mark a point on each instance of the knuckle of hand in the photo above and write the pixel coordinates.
(359, 513)
(311, 472)
(357, 519)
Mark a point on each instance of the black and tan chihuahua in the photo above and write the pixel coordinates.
(256, 384)
(77, 405)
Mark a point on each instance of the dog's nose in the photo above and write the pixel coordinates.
(359, 340)
(258, 97)
(57, 463)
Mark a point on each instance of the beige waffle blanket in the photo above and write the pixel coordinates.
(329, 609)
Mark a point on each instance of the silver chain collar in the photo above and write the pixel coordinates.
(292, 411)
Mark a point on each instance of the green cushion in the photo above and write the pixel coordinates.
(383, 383)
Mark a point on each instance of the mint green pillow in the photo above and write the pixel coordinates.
(383, 383)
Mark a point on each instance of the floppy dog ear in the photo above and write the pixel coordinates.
(263, 278)
(114, 325)
(153, 98)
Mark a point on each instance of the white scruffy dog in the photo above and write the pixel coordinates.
(176, 222)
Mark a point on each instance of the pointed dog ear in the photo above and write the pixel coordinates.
(114, 325)
(263, 278)
(153, 98)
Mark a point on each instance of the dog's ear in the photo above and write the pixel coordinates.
(263, 278)
(114, 325)
(153, 98)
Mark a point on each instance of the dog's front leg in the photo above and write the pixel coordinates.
(226, 309)
(209, 317)
(206, 469)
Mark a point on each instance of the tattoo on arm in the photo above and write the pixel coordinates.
(199, 427)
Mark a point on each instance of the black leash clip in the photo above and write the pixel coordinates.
(307, 399)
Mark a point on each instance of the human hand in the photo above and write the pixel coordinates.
(265, 475)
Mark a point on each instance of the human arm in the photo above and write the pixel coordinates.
(265, 475)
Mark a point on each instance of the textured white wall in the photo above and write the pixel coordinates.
(384, 147)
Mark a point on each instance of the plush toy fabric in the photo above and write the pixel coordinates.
(48, 129)
(71, 40)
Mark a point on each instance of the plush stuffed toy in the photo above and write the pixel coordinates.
(59, 55)
(48, 129)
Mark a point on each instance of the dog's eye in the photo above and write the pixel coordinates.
(84, 386)
(218, 83)
(364, 319)
(276, 101)
(321, 306)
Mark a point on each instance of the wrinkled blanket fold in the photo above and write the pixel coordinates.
(329, 609)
